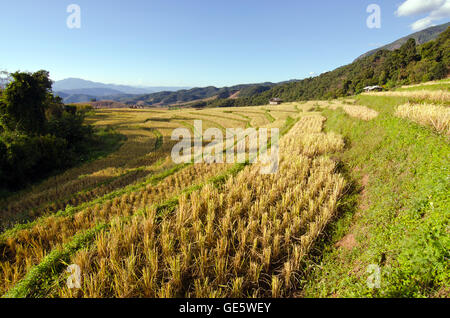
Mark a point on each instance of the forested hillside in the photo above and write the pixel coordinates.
(189, 95)
(421, 37)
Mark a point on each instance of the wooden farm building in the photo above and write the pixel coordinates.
(375, 88)
(275, 101)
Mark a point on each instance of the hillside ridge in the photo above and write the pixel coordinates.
(421, 37)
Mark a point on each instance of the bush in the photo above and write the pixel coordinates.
(70, 127)
(38, 133)
(71, 109)
(3, 160)
(83, 108)
(26, 158)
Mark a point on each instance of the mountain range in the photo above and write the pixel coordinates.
(74, 90)
(196, 94)
(421, 37)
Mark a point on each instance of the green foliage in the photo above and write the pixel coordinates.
(38, 133)
(23, 102)
(3, 161)
(69, 127)
(31, 157)
(83, 108)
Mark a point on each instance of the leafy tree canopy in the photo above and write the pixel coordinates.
(22, 105)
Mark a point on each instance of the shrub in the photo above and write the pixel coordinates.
(25, 158)
(70, 127)
(3, 158)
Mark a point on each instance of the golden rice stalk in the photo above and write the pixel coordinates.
(439, 96)
(435, 116)
(446, 81)
(248, 237)
(361, 112)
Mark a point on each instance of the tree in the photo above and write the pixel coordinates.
(438, 71)
(23, 102)
(3, 159)
(408, 52)
(54, 107)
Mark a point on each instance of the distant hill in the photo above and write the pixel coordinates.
(79, 90)
(91, 91)
(421, 37)
(196, 94)
(75, 98)
(105, 104)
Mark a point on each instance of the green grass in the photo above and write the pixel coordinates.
(402, 221)
(248, 119)
(440, 85)
(159, 137)
(105, 141)
(269, 117)
(39, 279)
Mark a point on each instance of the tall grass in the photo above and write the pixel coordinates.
(27, 247)
(357, 111)
(436, 96)
(435, 116)
(361, 112)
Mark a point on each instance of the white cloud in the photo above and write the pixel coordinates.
(436, 10)
(422, 24)
(442, 12)
(414, 7)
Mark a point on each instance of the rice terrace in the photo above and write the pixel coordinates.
(94, 205)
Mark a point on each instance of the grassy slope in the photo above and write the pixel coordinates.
(430, 86)
(398, 213)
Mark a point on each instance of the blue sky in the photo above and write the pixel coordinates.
(200, 42)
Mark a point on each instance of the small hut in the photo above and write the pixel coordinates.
(375, 88)
(275, 101)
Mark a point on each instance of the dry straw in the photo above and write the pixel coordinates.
(29, 246)
(438, 96)
(361, 112)
(247, 238)
(435, 116)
